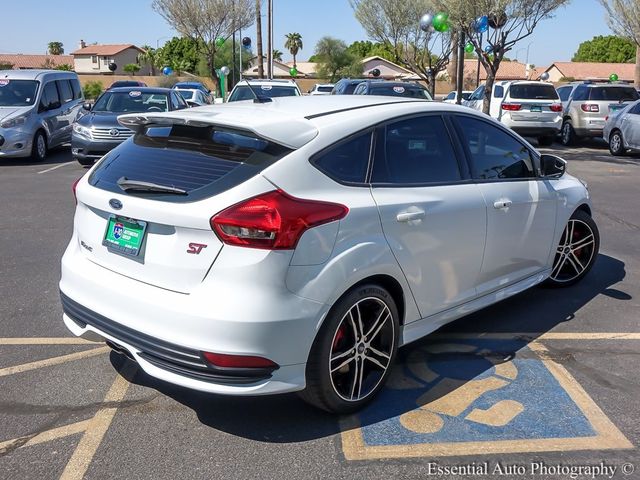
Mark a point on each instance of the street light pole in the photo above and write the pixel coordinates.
(269, 39)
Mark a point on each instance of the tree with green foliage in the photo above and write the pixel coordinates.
(150, 57)
(367, 48)
(65, 67)
(92, 90)
(55, 48)
(335, 61)
(397, 23)
(6, 66)
(606, 49)
(131, 68)
(519, 18)
(293, 44)
(181, 65)
(624, 20)
(209, 23)
(277, 55)
(179, 49)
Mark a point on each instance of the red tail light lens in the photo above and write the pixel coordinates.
(556, 107)
(589, 107)
(74, 187)
(237, 361)
(273, 220)
(512, 107)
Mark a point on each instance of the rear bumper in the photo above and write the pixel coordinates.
(533, 128)
(536, 131)
(165, 331)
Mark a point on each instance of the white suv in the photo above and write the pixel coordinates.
(529, 108)
(249, 89)
(294, 245)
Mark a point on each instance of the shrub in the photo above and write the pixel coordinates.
(92, 90)
(131, 68)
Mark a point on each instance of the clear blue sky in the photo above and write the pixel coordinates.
(28, 25)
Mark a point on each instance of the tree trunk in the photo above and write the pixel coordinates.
(488, 87)
(452, 68)
(294, 62)
(637, 69)
(259, 39)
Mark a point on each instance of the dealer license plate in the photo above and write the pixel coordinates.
(124, 235)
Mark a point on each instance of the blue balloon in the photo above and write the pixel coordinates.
(488, 49)
(167, 70)
(481, 24)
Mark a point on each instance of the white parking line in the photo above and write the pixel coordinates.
(56, 167)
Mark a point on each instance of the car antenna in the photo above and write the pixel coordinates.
(258, 98)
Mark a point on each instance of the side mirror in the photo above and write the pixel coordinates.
(86, 106)
(552, 166)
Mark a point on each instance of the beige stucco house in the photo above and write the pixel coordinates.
(96, 58)
(590, 71)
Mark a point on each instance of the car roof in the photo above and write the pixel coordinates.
(141, 89)
(395, 84)
(188, 83)
(290, 121)
(274, 81)
(36, 74)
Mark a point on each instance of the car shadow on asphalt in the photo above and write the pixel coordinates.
(55, 156)
(286, 418)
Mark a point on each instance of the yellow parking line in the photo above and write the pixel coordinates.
(538, 336)
(45, 341)
(47, 436)
(98, 426)
(25, 367)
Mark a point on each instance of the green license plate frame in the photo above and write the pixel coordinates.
(124, 235)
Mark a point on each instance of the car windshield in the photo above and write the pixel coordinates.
(124, 83)
(17, 93)
(187, 94)
(530, 91)
(614, 94)
(272, 91)
(325, 89)
(133, 101)
(466, 95)
(193, 86)
(399, 91)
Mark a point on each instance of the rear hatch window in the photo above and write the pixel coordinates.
(270, 91)
(184, 163)
(533, 92)
(613, 94)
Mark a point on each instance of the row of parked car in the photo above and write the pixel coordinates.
(575, 111)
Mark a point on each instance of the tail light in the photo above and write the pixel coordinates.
(512, 107)
(589, 107)
(74, 187)
(273, 220)
(606, 118)
(238, 361)
(556, 107)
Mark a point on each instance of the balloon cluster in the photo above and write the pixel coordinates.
(167, 70)
(495, 21)
(613, 77)
(438, 22)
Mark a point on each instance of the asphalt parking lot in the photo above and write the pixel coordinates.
(538, 386)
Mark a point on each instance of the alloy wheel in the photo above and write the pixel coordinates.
(361, 349)
(41, 146)
(575, 251)
(566, 133)
(616, 142)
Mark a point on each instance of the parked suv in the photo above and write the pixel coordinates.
(527, 107)
(248, 89)
(588, 106)
(346, 86)
(37, 109)
(393, 89)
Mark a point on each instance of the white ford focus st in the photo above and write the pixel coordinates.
(294, 245)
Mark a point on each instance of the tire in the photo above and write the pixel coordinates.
(39, 148)
(577, 251)
(360, 334)
(567, 134)
(616, 143)
(545, 141)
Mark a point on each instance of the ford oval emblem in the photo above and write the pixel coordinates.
(115, 204)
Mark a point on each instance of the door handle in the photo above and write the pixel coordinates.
(410, 216)
(503, 203)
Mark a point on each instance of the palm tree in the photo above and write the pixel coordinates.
(294, 45)
(150, 57)
(277, 55)
(55, 48)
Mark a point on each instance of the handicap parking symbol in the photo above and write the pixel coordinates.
(474, 396)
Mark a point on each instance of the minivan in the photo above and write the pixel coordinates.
(37, 111)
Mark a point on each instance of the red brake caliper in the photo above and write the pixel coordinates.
(339, 336)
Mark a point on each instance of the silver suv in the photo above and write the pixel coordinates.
(37, 110)
(587, 106)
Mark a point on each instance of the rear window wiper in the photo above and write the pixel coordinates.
(139, 186)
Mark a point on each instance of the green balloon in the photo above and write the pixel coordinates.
(441, 22)
(469, 48)
(219, 41)
(293, 71)
(613, 77)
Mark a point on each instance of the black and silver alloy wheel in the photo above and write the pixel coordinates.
(39, 147)
(361, 349)
(352, 354)
(616, 144)
(577, 250)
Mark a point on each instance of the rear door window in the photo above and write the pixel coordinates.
(530, 91)
(77, 89)
(66, 92)
(50, 97)
(202, 161)
(564, 92)
(416, 151)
